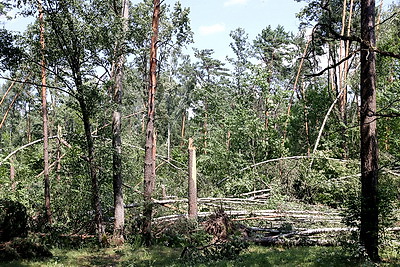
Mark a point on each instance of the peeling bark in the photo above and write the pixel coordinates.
(150, 147)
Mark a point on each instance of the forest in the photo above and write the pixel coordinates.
(122, 144)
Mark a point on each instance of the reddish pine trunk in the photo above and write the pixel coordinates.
(369, 145)
(150, 147)
(45, 121)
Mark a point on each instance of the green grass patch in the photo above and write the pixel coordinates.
(165, 256)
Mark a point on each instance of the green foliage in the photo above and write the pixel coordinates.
(13, 220)
(388, 206)
(238, 115)
(10, 54)
(23, 249)
(215, 252)
(182, 233)
(164, 256)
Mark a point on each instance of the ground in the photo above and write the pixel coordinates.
(164, 256)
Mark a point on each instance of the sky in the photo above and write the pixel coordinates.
(213, 20)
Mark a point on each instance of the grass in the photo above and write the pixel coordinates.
(164, 256)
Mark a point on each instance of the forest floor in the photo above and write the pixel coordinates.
(165, 256)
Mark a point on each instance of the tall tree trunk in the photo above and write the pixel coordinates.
(28, 123)
(192, 182)
(8, 110)
(150, 147)
(169, 142)
(205, 125)
(369, 145)
(45, 120)
(59, 134)
(12, 173)
(96, 204)
(295, 88)
(119, 216)
(342, 85)
(183, 127)
(305, 114)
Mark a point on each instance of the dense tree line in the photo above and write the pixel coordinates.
(115, 85)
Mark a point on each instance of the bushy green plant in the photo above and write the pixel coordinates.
(388, 204)
(229, 249)
(13, 220)
(181, 233)
(23, 248)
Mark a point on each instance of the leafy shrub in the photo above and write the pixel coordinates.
(226, 242)
(13, 220)
(229, 249)
(22, 249)
(181, 233)
(388, 204)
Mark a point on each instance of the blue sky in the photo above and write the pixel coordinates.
(213, 20)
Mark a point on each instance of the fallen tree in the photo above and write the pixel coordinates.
(308, 237)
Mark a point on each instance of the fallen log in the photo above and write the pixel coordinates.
(302, 237)
(294, 242)
(265, 214)
(254, 192)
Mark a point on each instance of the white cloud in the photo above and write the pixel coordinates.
(235, 2)
(216, 28)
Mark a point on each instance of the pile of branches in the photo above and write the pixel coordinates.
(226, 241)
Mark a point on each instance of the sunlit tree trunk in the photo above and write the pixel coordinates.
(45, 120)
(369, 145)
(192, 182)
(119, 216)
(183, 127)
(12, 174)
(150, 147)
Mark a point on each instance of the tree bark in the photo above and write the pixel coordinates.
(119, 216)
(192, 183)
(150, 147)
(46, 177)
(8, 110)
(96, 204)
(183, 127)
(369, 145)
(59, 135)
(12, 174)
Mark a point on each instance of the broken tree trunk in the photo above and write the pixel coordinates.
(192, 183)
(150, 147)
(46, 177)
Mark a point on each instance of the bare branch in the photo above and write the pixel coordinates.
(334, 65)
(23, 147)
(37, 84)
